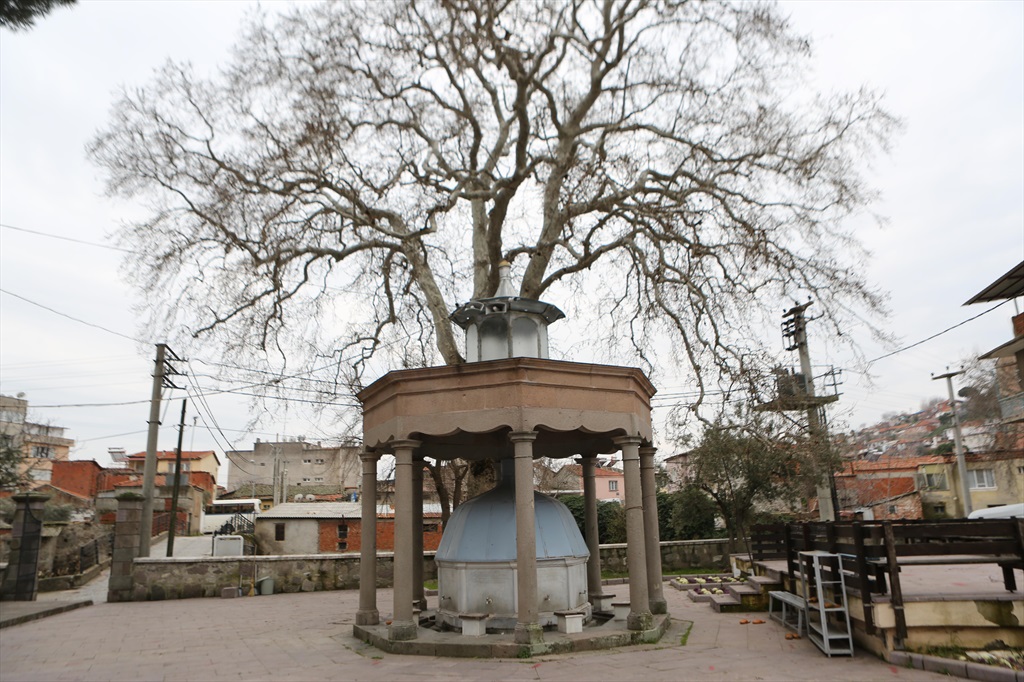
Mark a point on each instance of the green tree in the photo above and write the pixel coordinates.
(22, 14)
(11, 457)
(611, 518)
(740, 466)
(691, 515)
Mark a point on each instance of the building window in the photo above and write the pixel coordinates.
(320, 461)
(40, 475)
(42, 452)
(307, 461)
(306, 479)
(613, 486)
(342, 545)
(981, 479)
(935, 481)
(939, 508)
(279, 532)
(342, 530)
(318, 479)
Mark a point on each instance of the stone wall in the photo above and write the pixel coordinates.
(675, 556)
(183, 578)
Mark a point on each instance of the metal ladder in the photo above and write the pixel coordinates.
(828, 615)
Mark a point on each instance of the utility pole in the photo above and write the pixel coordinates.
(794, 327)
(277, 475)
(161, 370)
(177, 484)
(961, 462)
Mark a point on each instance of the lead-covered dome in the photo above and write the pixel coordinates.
(483, 529)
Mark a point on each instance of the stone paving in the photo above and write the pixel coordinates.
(308, 636)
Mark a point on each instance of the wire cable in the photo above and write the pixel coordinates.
(74, 319)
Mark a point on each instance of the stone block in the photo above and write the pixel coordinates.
(945, 666)
(229, 592)
(473, 624)
(990, 673)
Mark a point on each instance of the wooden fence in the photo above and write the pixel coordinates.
(879, 548)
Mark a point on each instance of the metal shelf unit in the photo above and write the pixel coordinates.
(824, 590)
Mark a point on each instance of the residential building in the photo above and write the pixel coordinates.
(201, 461)
(40, 444)
(609, 482)
(332, 527)
(306, 464)
(928, 486)
(1010, 355)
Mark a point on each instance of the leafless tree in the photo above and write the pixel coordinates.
(361, 168)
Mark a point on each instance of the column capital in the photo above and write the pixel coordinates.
(405, 444)
(522, 436)
(368, 456)
(627, 440)
(648, 450)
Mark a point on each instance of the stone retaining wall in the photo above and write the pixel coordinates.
(183, 578)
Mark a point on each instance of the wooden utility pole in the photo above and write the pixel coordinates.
(961, 462)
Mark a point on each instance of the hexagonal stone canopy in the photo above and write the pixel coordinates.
(468, 410)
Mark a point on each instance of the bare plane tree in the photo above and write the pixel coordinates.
(361, 168)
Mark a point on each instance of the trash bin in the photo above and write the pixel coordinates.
(265, 585)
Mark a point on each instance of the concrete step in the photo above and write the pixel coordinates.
(764, 583)
(752, 598)
(725, 603)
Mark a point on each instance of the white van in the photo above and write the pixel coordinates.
(1008, 511)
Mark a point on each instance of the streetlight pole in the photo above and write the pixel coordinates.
(961, 462)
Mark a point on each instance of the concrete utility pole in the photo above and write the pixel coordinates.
(171, 530)
(149, 468)
(961, 462)
(795, 327)
(160, 373)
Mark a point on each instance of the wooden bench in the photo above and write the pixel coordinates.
(785, 599)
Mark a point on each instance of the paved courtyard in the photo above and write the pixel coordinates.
(308, 636)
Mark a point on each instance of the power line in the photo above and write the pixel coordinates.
(70, 239)
(75, 319)
(938, 334)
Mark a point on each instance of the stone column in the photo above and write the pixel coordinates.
(528, 630)
(639, 617)
(126, 546)
(21, 579)
(418, 598)
(402, 625)
(652, 536)
(368, 613)
(597, 596)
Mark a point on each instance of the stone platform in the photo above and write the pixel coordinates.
(432, 642)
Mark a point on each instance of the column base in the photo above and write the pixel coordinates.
(368, 617)
(529, 633)
(639, 620)
(602, 602)
(401, 631)
(659, 606)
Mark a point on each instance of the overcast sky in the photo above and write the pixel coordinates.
(953, 193)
